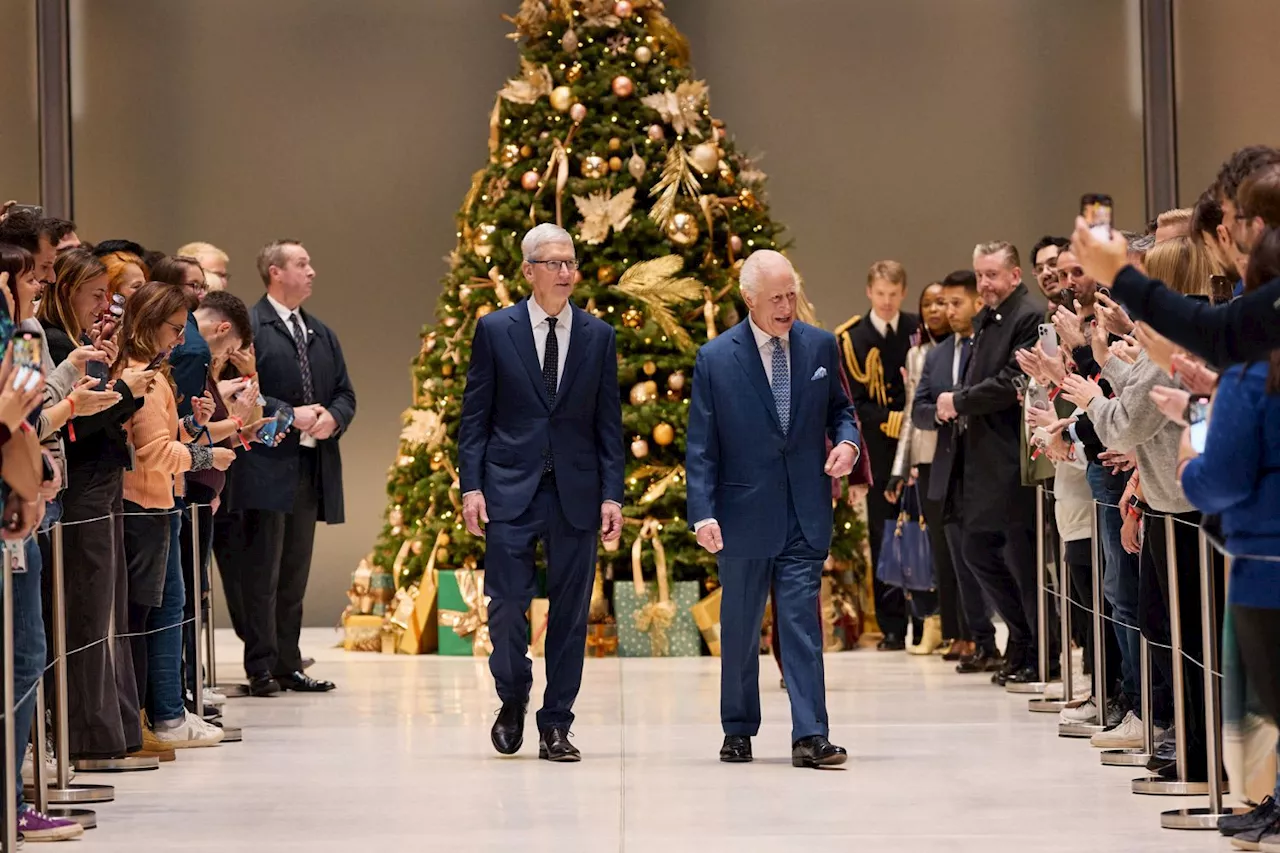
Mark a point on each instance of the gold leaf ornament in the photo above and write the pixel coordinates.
(601, 211)
(658, 284)
(533, 84)
(682, 107)
(676, 177)
(423, 428)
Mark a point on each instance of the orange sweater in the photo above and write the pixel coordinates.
(158, 454)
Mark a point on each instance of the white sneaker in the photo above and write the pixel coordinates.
(50, 769)
(213, 697)
(1130, 734)
(1079, 711)
(191, 732)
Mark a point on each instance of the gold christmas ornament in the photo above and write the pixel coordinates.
(534, 82)
(639, 448)
(574, 74)
(664, 434)
(484, 310)
(683, 229)
(529, 180)
(578, 112)
(404, 461)
(602, 210)
(482, 240)
(569, 41)
(594, 166)
(526, 151)
(632, 318)
(442, 556)
(656, 133)
(623, 86)
(615, 144)
(681, 107)
(676, 381)
(705, 157)
(651, 388)
(510, 155)
(650, 368)
(636, 166)
(446, 369)
(735, 243)
(622, 8)
(748, 199)
(443, 539)
(561, 98)
(615, 164)
(639, 394)
(644, 55)
(605, 274)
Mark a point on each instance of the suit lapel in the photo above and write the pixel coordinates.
(267, 316)
(522, 337)
(799, 364)
(581, 326)
(749, 360)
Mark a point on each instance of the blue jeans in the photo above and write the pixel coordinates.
(164, 648)
(28, 652)
(1119, 581)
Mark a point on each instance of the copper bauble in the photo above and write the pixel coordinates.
(605, 274)
(526, 151)
(735, 243)
(510, 155)
(574, 74)
(562, 98)
(578, 112)
(664, 434)
(529, 180)
(622, 8)
(636, 166)
(639, 394)
(443, 540)
(446, 369)
(683, 229)
(623, 86)
(615, 164)
(705, 157)
(644, 55)
(594, 166)
(639, 448)
(651, 388)
(650, 368)
(615, 144)
(632, 318)
(656, 133)
(676, 381)
(748, 198)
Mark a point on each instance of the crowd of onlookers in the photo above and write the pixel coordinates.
(1139, 372)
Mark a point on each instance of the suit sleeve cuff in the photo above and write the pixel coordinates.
(470, 493)
(701, 524)
(618, 504)
(857, 452)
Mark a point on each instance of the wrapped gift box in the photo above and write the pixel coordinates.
(463, 614)
(602, 640)
(539, 610)
(413, 617)
(681, 638)
(362, 633)
(706, 614)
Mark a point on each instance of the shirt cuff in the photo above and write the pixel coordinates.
(470, 493)
(1071, 431)
(615, 503)
(857, 451)
(704, 523)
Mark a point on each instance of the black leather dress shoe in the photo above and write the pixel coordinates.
(554, 745)
(817, 751)
(736, 749)
(263, 684)
(983, 660)
(891, 643)
(1025, 675)
(303, 683)
(508, 730)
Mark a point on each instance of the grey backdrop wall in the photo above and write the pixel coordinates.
(908, 129)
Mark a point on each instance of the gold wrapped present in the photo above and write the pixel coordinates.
(539, 614)
(707, 614)
(361, 633)
(602, 640)
(463, 613)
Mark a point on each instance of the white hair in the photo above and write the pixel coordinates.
(540, 235)
(757, 264)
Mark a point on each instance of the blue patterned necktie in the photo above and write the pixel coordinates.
(781, 385)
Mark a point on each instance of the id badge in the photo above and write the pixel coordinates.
(15, 556)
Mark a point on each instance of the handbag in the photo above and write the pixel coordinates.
(906, 558)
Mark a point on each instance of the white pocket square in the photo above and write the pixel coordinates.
(818, 374)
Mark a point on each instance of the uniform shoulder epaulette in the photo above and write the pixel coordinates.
(848, 324)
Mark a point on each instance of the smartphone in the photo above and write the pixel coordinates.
(1020, 384)
(1037, 397)
(1198, 418)
(273, 433)
(161, 358)
(1221, 288)
(28, 208)
(1096, 209)
(1049, 339)
(28, 353)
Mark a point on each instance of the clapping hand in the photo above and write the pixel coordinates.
(1127, 349)
(1172, 402)
(1158, 348)
(1111, 316)
(1080, 391)
(1194, 376)
(1070, 331)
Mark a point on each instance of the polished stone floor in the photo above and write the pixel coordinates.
(398, 759)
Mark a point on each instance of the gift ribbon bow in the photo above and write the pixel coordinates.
(653, 617)
(474, 621)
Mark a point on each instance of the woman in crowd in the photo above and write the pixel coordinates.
(103, 706)
(940, 609)
(126, 272)
(164, 448)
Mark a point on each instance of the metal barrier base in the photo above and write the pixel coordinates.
(1078, 730)
(1125, 758)
(1157, 787)
(1195, 818)
(1037, 687)
(75, 794)
(127, 764)
(233, 691)
(85, 817)
(232, 734)
(1045, 706)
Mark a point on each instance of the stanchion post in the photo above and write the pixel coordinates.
(1042, 612)
(38, 757)
(197, 596)
(1099, 639)
(10, 789)
(1148, 710)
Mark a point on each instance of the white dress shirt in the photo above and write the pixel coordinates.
(285, 315)
(885, 328)
(564, 321)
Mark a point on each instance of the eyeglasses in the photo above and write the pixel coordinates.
(554, 266)
(179, 330)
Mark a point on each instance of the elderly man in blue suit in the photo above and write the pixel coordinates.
(540, 452)
(766, 399)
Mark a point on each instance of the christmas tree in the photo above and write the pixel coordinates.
(607, 132)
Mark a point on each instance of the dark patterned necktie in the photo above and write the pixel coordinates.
(550, 373)
(304, 360)
(966, 350)
(781, 385)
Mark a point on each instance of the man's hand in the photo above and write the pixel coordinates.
(305, 417)
(610, 522)
(1117, 462)
(1111, 316)
(474, 513)
(1129, 530)
(840, 460)
(1080, 391)
(1194, 376)
(947, 406)
(325, 426)
(709, 537)
(1070, 331)
(1102, 260)
(245, 360)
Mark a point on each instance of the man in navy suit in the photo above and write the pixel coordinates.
(766, 397)
(540, 451)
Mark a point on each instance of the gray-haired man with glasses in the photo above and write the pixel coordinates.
(540, 452)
